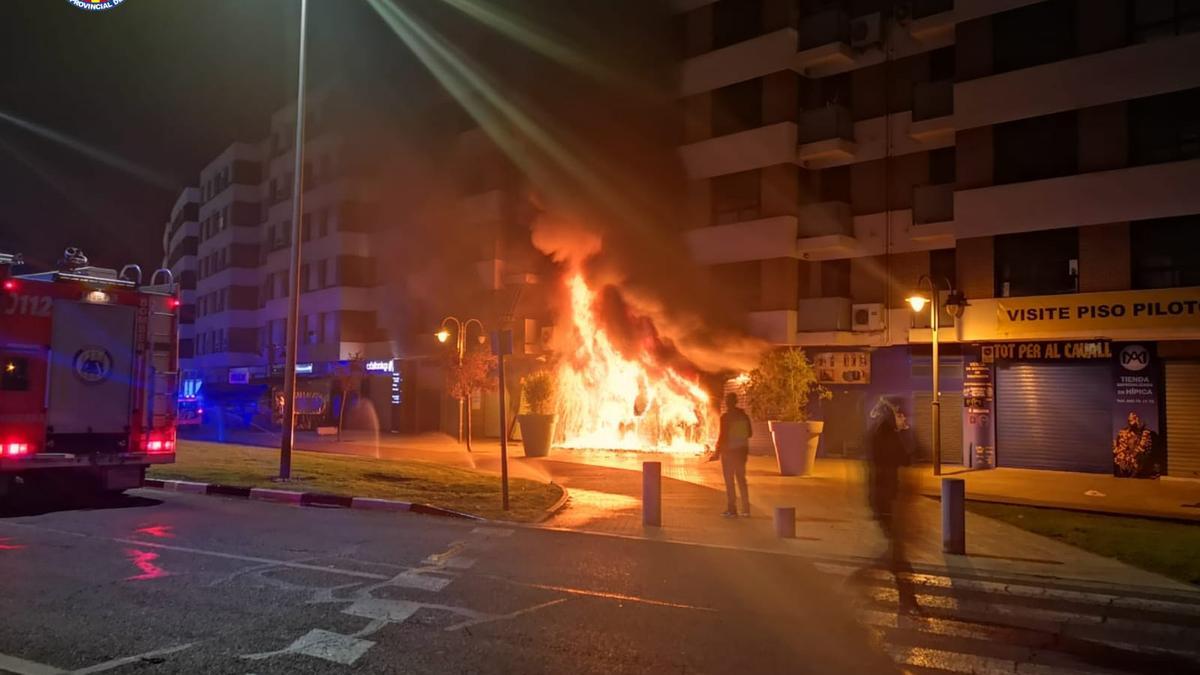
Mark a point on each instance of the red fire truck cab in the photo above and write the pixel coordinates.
(88, 370)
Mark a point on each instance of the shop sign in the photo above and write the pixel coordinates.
(978, 397)
(304, 368)
(1138, 447)
(239, 376)
(850, 367)
(1062, 350)
(382, 366)
(1160, 308)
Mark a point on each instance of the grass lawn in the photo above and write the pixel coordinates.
(422, 482)
(1171, 549)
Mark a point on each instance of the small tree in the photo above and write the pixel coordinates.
(539, 388)
(476, 373)
(780, 387)
(348, 377)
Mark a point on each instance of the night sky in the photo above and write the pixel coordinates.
(162, 84)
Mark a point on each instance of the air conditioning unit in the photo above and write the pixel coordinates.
(868, 317)
(866, 31)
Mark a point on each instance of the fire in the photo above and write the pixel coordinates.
(616, 401)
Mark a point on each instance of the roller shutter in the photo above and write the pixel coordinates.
(952, 426)
(1054, 416)
(1183, 418)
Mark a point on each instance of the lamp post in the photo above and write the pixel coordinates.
(293, 330)
(460, 350)
(954, 304)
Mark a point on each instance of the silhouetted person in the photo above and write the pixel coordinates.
(733, 447)
(886, 490)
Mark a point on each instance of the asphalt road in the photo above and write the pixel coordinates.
(169, 583)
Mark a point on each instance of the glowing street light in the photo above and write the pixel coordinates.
(954, 304)
(460, 347)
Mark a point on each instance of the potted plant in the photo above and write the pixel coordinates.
(779, 390)
(537, 425)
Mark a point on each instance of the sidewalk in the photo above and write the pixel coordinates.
(833, 522)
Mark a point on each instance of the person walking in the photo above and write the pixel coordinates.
(887, 492)
(733, 448)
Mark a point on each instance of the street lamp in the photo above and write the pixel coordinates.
(460, 349)
(954, 304)
(293, 330)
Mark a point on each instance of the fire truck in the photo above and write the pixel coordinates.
(88, 370)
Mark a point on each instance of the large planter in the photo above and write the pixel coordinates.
(537, 431)
(796, 446)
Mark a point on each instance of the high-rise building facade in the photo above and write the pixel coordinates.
(1041, 157)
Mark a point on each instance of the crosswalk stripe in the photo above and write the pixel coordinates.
(958, 662)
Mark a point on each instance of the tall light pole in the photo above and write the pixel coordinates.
(460, 350)
(954, 303)
(293, 330)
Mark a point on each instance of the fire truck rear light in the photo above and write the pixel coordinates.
(173, 303)
(154, 446)
(168, 446)
(15, 449)
(10, 285)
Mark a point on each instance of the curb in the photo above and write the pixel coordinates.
(317, 499)
(1076, 508)
(557, 506)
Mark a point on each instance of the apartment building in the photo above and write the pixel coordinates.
(1039, 156)
(180, 245)
(232, 242)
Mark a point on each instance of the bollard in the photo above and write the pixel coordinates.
(785, 522)
(652, 493)
(954, 516)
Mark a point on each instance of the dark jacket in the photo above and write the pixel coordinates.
(735, 431)
(886, 454)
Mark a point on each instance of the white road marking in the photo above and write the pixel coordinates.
(504, 617)
(323, 644)
(393, 611)
(19, 666)
(414, 579)
(117, 663)
(254, 559)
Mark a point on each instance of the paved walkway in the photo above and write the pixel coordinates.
(833, 522)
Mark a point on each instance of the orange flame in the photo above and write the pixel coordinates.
(612, 401)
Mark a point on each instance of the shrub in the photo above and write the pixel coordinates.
(539, 392)
(780, 387)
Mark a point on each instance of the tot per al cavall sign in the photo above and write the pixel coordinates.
(1162, 308)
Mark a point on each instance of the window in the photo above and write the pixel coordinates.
(1043, 32)
(306, 227)
(322, 223)
(304, 275)
(1164, 128)
(735, 21)
(942, 166)
(1036, 148)
(735, 198)
(737, 107)
(1166, 252)
(322, 274)
(942, 266)
(1037, 263)
(835, 278)
(1155, 19)
(14, 374)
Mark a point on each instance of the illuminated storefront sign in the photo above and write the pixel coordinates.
(380, 366)
(1162, 308)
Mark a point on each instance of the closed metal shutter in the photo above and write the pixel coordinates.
(1054, 416)
(1183, 418)
(952, 412)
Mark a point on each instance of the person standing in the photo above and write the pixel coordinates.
(733, 447)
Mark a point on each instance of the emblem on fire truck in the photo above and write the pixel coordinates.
(93, 365)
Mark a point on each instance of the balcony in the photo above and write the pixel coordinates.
(933, 110)
(1096, 79)
(823, 41)
(826, 136)
(482, 208)
(759, 239)
(826, 229)
(776, 327)
(933, 203)
(823, 315)
(743, 151)
(931, 19)
(1136, 193)
(739, 62)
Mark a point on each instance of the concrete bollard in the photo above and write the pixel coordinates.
(652, 493)
(954, 516)
(785, 522)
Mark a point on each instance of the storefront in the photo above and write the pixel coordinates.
(1044, 390)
